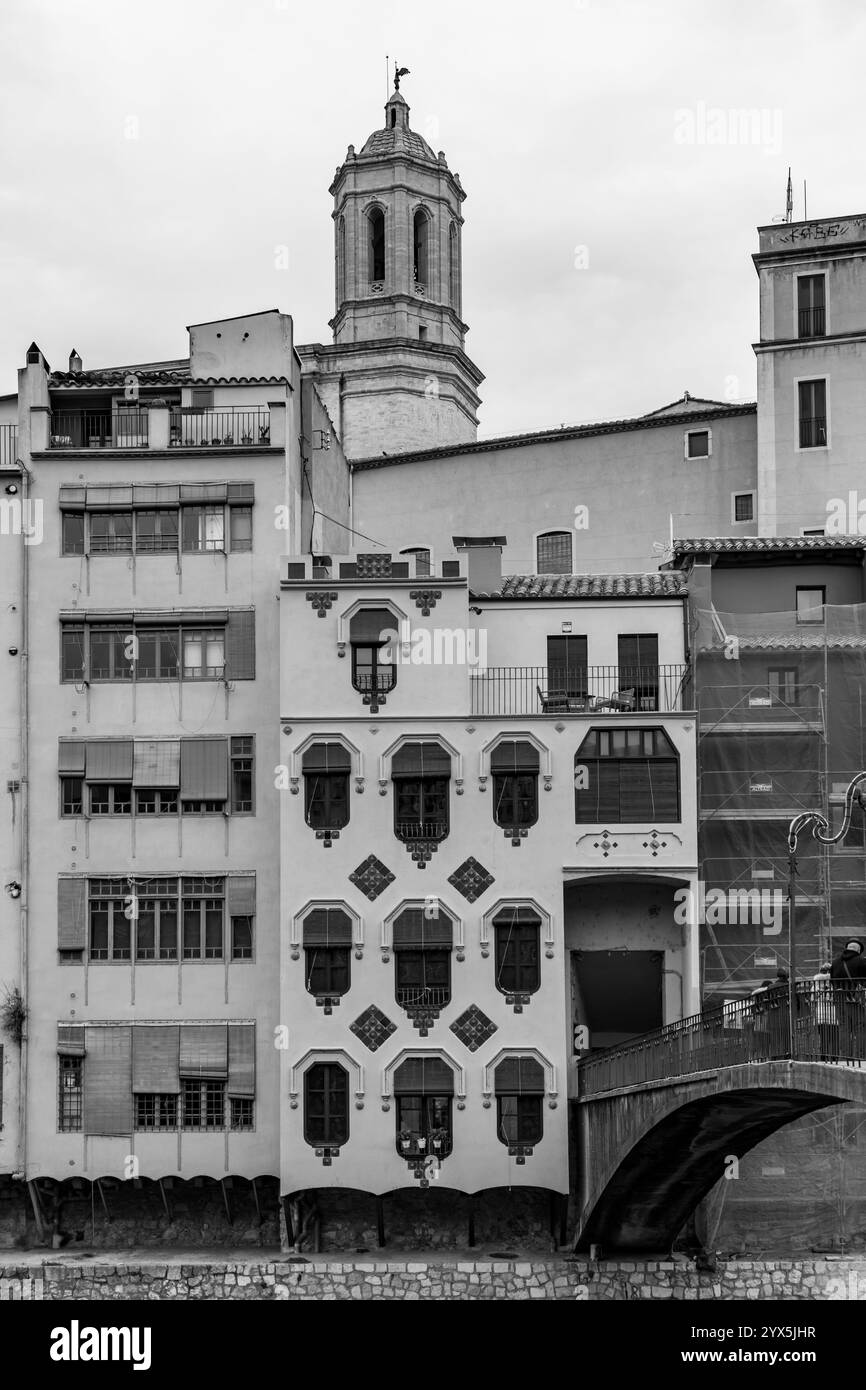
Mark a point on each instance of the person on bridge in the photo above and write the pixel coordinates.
(848, 974)
(824, 1017)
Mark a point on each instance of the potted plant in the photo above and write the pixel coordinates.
(246, 439)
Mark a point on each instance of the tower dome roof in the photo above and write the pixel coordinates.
(396, 138)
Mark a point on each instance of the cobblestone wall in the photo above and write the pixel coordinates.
(443, 1279)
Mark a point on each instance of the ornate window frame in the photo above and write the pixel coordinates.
(296, 758)
(386, 937)
(296, 932)
(457, 1067)
(545, 757)
(298, 1070)
(548, 925)
(344, 620)
(386, 757)
(489, 1069)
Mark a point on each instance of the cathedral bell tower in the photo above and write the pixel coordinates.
(397, 377)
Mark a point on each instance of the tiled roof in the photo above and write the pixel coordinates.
(145, 376)
(795, 641)
(519, 441)
(587, 586)
(686, 403)
(748, 545)
(382, 144)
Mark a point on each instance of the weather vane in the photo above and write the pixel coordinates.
(398, 73)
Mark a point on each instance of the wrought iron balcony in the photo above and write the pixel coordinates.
(8, 445)
(810, 322)
(813, 432)
(584, 690)
(102, 429)
(215, 427)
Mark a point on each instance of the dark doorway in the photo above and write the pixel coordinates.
(617, 994)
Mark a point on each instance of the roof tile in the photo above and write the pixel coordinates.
(587, 586)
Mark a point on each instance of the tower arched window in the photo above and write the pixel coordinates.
(376, 223)
(420, 238)
(453, 279)
(341, 259)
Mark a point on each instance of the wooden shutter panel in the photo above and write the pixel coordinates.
(242, 895)
(421, 760)
(204, 774)
(242, 1060)
(203, 492)
(108, 1081)
(367, 626)
(426, 1076)
(413, 931)
(326, 757)
(70, 1039)
(155, 1060)
(204, 1051)
(156, 763)
(327, 926)
(71, 756)
(155, 494)
(109, 760)
(110, 496)
(520, 1076)
(71, 499)
(241, 646)
(71, 914)
(514, 756)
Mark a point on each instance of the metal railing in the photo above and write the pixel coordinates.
(813, 432)
(8, 445)
(421, 830)
(102, 429)
(426, 997)
(579, 690)
(811, 322)
(218, 428)
(829, 1026)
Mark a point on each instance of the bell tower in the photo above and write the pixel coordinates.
(397, 377)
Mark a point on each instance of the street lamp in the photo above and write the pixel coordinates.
(856, 791)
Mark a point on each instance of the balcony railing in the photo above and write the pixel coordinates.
(426, 997)
(813, 431)
(214, 427)
(102, 429)
(421, 830)
(8, 445)
(811, 322)
(582, 690)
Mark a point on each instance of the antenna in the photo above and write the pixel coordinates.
(387, 75)
(805, 213)
(789, 199)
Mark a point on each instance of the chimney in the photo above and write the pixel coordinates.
(74, 362)
(485, 568)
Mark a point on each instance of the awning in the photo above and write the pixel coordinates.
(108, 1081)
(426, 1076)
(326, 757)
(242, 1060)
(204, 769)
(204, 1051)
(513, 756)
(71, 756)
(242, 895)
(70, 1039)
(156, 763)
(327, 926)
(155, 1060)
(71, 914)
(520, 1076)
(421, 760)
(109, 760)
(415, 932)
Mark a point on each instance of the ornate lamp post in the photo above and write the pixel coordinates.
(856, 791)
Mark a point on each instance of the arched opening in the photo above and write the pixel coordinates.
(376, 221)
(341, 259)
(420, 237)
(453, 275)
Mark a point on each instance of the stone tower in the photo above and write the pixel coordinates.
(397, 377)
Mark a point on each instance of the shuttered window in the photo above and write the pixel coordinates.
(242, 1060)
(72, 756)
(241, 646)
(517, 932)
(519, 1076)
(519, 1086)
(108, 1081)
(553, 554)
(415, 932)
(70, 1040)
(421, 760)
(155, 1060)
(109, 760)
(327, 926)
(326, 768)
(638, 667)
(156, 763)
(204, 1052)
(424, 1076)
(71, 914)
(242, 895)
(514, 766)
(326, 757)
(326, 1104)
(204, 769)
(626, 775)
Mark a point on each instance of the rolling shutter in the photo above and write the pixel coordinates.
(242, 895)
(203, 492)
(241, 492)
(204, 1051)
(204, 769)
(326, 757)
(155, 1059)
(156, 763)
(421, 760)
(414, 932)
(108, 1081)
(71, 914)
(241, 646)
(155, 494)
(72, 756)
(242, 1060)
(70, 1039)
(425, 1076)
(111, 497)
(109, 760)
(368, 626)
(513, 757)
(519, 1076)
(71, 499)
(327, 926)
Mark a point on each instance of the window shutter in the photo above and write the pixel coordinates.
(327, 926)
(521, 1076)
(155, 494)
(71, 499)
(241, 492)
(203, 492)
(368, 626)
(204, 1051)
(413, 931)
(511, 916)
(71, 756)
(108, 1081)
(70, 1039)
(156, 763)
(186, 617)
(421, 760)
(241, 646)
(426, 1076)
(242, 895)
(71, 914)
(204, 769)
(155, 1060)
(242, 1060)
(110, 497)
(327, 757)
(513, 757)
(109, 760)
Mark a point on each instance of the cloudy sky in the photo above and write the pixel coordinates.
(155, 158)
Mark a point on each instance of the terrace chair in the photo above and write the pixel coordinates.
(552, 704)
(619, 700)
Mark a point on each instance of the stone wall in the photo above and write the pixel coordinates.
(448, 1279)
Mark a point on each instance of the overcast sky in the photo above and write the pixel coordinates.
(155, 156)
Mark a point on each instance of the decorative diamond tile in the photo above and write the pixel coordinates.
(321, 602)
(372, 1027)
(425, 599)
(372, 877)
(473, 1028)
(471, 879)
(372, 566)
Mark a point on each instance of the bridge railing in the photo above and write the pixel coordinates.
(829, 1025)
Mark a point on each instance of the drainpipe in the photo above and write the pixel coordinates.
(25, 822)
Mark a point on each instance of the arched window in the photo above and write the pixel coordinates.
(514, 767)
(376, 224)
(421, 772)
(373, 669)
(341, 259)
(422, 963)
(326, 1104)
(453, 262)
(626, 775)
(553, 553)
(422, 560)
(519, 1086)
(327, 936)
(517, 932)
(420, 237)
(424, 1090)
(326, 768)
